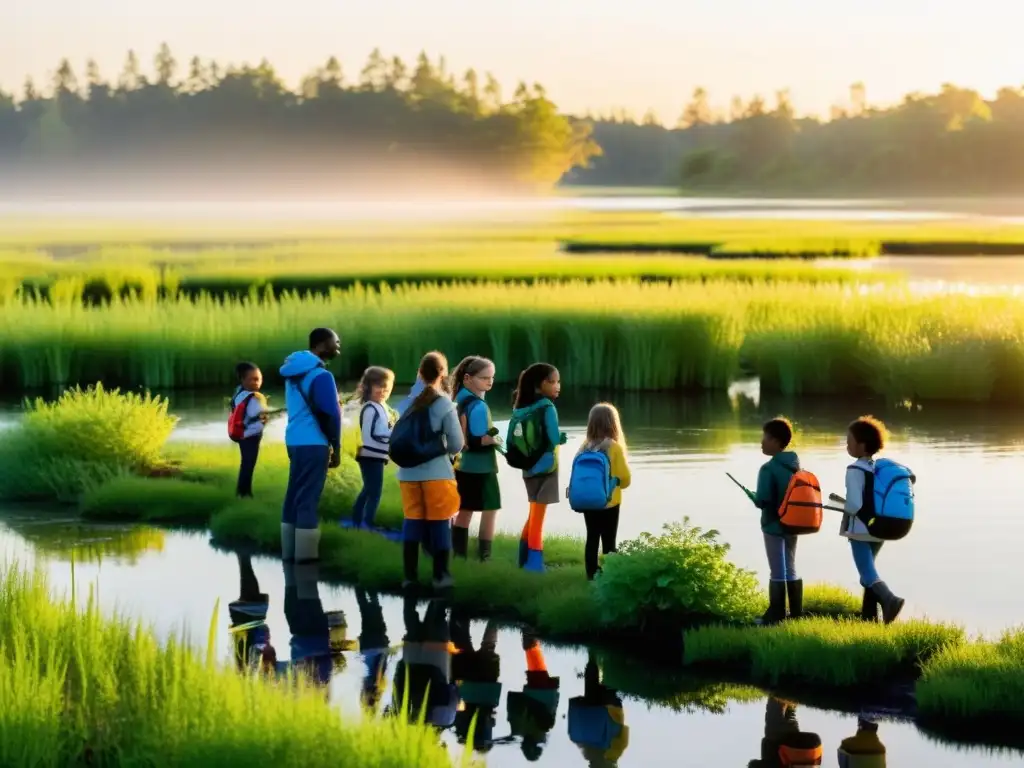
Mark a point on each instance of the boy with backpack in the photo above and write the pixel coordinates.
(247, 418)
(879, 507)
(790, 503)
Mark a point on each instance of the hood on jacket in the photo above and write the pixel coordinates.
(300, 363)
(521, 413)
(787, 459)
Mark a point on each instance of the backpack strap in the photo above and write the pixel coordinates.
(314, 412)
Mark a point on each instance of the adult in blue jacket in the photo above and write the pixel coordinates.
(313, 440)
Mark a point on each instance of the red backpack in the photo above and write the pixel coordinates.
(236, 421)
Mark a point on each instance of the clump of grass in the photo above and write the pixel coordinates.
(682, 574)
(164, 500)
(820, 651)
(78, 688)
(60, 449)
(979, 683)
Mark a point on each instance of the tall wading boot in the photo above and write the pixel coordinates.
(442, 579)
(485, 549)
(891, 604)
(795, 590)
(869, 606)
(410, 563)
(307, 545)
(776, 604)
(287, 542)
(460, 541)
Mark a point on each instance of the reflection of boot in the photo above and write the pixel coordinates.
(460, 541)
(795, 589)
(534, 560)
(484, 546)
(869, 606)
(891, 605)
(307, 545)
(410, 563)
(287, 542)
(776, 603)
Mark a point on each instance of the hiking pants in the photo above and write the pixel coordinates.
(307, 473)
(249, 448)
(364, 511)
(781, 551)
(602, 526)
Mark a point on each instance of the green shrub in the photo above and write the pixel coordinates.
(682, 574)
(60, 449)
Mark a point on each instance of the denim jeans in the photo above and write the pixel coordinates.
(864, 554)
(781, 551)
(307, 474)
(364, 511)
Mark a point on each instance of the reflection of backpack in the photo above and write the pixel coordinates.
(237, 421)
(414, 441)
(890, 513)
(591, 483)
(526, 442)
(800, 510)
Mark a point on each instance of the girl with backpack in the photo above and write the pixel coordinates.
(422, 443)
(600, 472)
(375, 429)
(476, 468)
(532, 446)
(245, 424)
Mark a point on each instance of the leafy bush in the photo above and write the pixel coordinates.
(680, 575)
(62, 448)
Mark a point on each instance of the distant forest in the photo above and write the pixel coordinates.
(419, 127)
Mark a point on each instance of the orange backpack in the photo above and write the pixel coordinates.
(801, 508)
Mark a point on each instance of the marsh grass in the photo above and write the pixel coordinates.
(86, 544)
(80, 688)
(839, 653)
(982, 683)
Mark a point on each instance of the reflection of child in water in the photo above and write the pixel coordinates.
(249, 632)
(477, 673)
(784, 745)
(373, 647)
(307, 621)
(864, 750)
(427, 659)
(597, 724)
(531, 712)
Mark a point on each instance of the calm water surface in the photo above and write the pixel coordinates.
(175, 580)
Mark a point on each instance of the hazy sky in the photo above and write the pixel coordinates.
(590, 54)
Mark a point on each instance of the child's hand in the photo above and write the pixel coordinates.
(264, 417)
(563, 439)
(751, 495)
(335, 461)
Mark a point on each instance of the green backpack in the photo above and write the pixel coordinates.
(526, 441)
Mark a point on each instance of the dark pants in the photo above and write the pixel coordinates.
(249, 448)
(307, 473)
(364, 511)
(602, 525)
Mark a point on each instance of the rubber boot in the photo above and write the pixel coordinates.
(523, 551)
(776, 604)
(795, 590)
(534, 560)
(287, 542)
(891, 604)
(484, 546)
(442, 579)
(869, 606)
(410, 563)
(307, 545)
(460, 541)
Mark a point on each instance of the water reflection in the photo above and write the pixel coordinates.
(531, 711)
(864, 749)
(784, 745)
(477, 672)
(374, 648)
(597, 722)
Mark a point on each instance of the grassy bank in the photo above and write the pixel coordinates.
(828, 340)
(77, 688)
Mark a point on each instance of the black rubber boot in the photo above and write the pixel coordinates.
(485, 549)
(795, 590)
(442, 579)
(460, 541)
(891, 605)
(410, 563)
(869, 606)
(776, 604)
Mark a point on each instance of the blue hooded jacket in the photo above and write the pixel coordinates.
(306, 370)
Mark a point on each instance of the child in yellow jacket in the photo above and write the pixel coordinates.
(605, 435)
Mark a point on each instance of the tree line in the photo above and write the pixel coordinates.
(404, 126)
(394, 125)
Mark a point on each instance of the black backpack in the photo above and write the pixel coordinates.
(414, 441)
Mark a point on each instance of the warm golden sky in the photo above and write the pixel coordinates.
(591, 54)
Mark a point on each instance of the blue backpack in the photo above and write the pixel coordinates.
(414, 441)
(591, 483)
(891, 513)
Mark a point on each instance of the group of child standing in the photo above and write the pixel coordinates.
(440, 495)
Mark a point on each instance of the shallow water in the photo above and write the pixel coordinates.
(179, 579)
